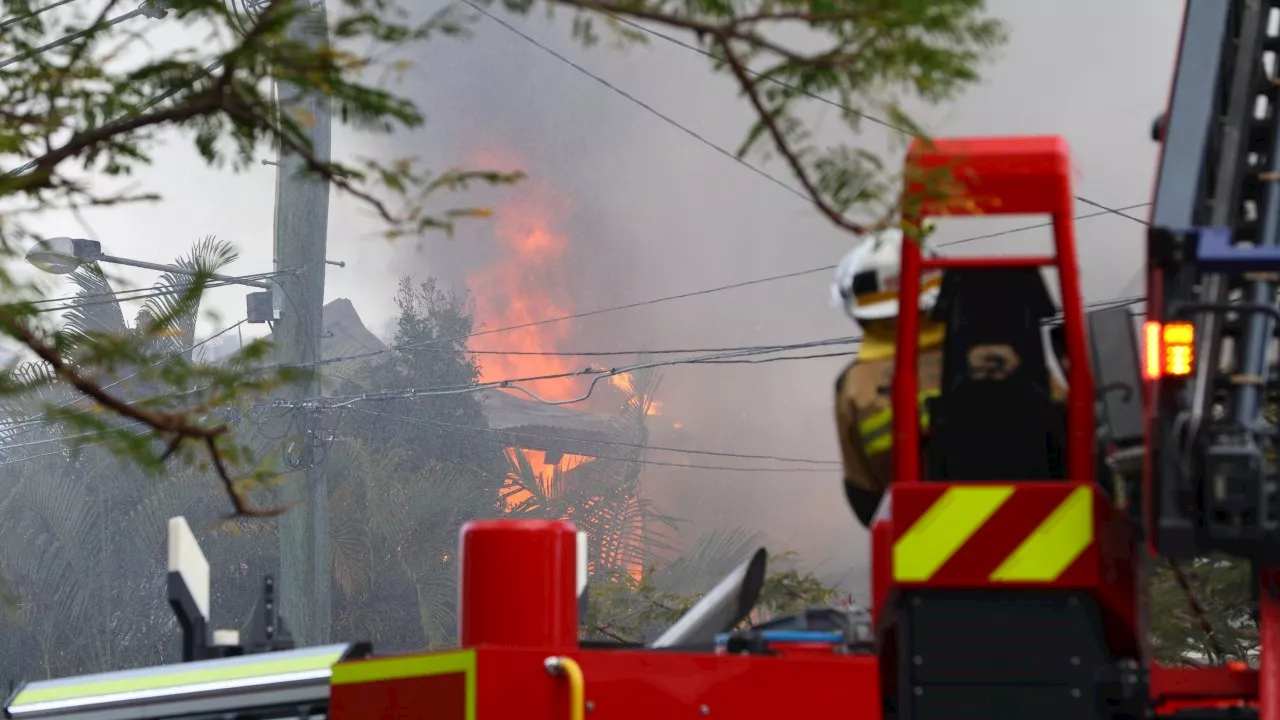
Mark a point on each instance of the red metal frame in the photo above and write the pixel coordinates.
(1174, 689)
(993, 176)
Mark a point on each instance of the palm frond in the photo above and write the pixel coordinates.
(33, 387)
(93, 313)
(709, 558)
(349, 539)
(175, 308)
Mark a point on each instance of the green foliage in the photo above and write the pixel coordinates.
(1223, 590)
(82, 111)
(429, 350)
(393, 539)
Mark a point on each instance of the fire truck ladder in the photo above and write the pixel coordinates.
(1214, 255)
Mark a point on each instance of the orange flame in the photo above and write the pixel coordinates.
(527, 282)
(625, 383)
(543, 470)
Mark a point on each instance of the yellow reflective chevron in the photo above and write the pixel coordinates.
(944, 528)
(1056, 543)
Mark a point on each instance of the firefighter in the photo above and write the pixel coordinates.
(866, 286)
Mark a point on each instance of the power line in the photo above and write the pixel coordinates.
(613, 443)
(651, 301)
(814, 96)
(29, 458)
(124, 294)
(610, 353)
(1086, 216)
(14, 21)
(597, 374)
(657, 113)
(139, 109)
(45, 415)
(781, 358)
(144, 9)
(509, 384)
(139, 293)
(638, 461)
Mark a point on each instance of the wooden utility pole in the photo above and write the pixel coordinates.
(301, 232)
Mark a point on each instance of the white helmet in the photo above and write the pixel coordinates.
(867, 280)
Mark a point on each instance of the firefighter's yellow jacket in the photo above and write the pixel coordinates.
(864, 409)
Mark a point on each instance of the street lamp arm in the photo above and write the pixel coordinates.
(181, 271)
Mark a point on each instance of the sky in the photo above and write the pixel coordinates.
(641, 209)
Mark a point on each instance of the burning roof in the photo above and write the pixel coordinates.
(549, 427)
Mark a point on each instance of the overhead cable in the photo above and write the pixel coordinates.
(637, 304)
(139, 109)
(724, 468)
(610, 443)
(654, 111)
(45, 415)
(34, 13)
(666, 351)
(146, 8)
(596, 374)
(132, 294)
(807, 93)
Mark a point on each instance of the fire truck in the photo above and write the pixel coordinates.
(1010, 562)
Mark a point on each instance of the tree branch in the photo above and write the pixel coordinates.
(176, 426)
(723, 39)
(41, 174)
(249, 114)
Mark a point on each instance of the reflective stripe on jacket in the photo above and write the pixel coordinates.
(877, 430)
(864, 415)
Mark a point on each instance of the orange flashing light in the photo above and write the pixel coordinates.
(1178, 340)
(1168, 349)
(1151, 350)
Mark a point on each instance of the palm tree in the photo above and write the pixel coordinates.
(84, 530)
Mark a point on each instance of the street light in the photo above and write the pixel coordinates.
(64, 255)
(60, 255)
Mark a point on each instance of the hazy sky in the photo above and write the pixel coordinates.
(646, 210)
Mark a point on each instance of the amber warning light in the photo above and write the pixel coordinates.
(1168, 349)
